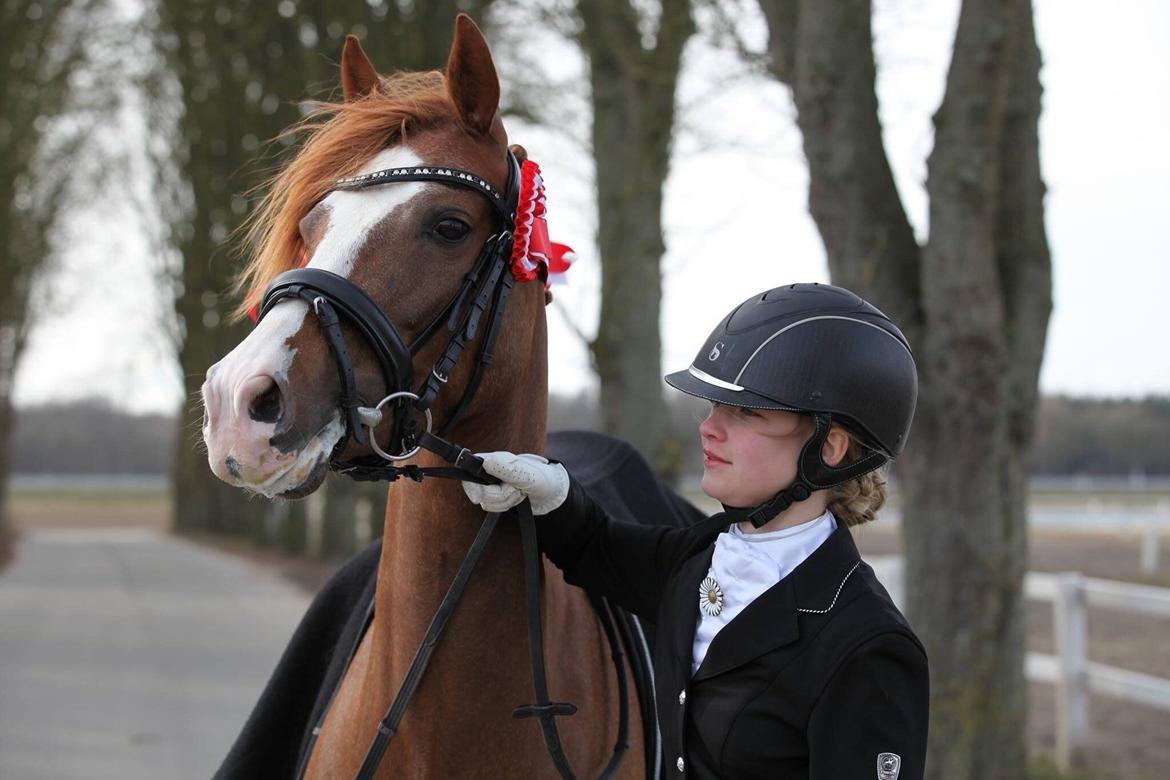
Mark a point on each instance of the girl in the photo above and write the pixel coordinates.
(778, 653)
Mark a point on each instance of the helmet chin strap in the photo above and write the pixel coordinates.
(812, 474)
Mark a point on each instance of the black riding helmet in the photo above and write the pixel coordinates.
(819, 350)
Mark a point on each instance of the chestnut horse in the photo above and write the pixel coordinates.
(274, 417)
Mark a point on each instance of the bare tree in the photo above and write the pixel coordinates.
(974, 301)
(634, 64)
(56, 82)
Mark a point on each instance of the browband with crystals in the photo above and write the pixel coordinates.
(426, 173)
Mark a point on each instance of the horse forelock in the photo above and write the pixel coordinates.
(339, 139)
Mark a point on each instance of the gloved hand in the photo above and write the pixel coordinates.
(545, 484)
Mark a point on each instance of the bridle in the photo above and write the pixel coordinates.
(332, 298)
(483, 293)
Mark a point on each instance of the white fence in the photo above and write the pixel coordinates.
(1074, 675)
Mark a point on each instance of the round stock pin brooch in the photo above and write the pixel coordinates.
(710, 597)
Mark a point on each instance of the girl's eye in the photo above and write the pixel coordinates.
(451, 230)
(746, 412)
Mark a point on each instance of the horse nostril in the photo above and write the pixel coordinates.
(266, 406)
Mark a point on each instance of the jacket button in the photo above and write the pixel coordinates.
(680, 764)
(682, 697)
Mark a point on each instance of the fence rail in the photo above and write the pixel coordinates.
(1074, 675)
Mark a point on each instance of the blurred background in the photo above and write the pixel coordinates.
(993, 176)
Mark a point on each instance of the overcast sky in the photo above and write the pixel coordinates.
(736, 216)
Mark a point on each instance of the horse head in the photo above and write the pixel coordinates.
(355, 202)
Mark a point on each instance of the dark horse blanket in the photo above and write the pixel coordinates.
(276, 738)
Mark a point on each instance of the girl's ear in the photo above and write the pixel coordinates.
(835, 447)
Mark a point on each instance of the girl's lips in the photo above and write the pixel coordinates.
(711, 459)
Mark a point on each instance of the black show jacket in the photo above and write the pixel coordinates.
(819, 677)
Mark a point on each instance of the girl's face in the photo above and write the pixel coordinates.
(750, 454)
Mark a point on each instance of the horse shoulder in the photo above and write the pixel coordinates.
(342, 742)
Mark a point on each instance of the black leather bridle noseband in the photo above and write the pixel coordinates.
(483, 293)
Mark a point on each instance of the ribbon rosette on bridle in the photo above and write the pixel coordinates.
(532, 250)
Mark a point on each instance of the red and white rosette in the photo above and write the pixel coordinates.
(532, 252)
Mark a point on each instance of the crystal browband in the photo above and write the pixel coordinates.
(423, 172)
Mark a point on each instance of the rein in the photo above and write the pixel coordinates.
(543, 709)
(483, 293)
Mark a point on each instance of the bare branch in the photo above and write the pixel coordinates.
(588, 343)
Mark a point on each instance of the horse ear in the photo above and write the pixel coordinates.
(472, 82)
(358, 77)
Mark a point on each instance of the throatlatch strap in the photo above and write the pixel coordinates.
(467, 328)
(487, 350)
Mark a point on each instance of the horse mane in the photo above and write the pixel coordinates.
(339, 139)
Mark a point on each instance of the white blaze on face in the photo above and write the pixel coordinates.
(354, 213)
(228, 429)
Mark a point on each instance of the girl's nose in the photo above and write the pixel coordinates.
(712, 427)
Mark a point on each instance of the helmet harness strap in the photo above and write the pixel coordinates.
(812, 473)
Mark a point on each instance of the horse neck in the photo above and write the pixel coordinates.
(430, 526)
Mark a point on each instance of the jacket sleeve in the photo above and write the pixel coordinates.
(627, 563)
(871, 718)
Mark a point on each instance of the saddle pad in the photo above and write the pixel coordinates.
(618, 478)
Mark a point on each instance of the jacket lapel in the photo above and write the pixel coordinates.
(767, 623)
(771, 621)
(685, 604)
(684, 600)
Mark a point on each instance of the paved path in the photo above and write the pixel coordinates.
(128, 654)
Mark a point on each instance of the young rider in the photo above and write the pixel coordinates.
(778, 653)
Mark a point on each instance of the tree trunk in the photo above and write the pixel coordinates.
(10, 344)
(43, 47)
(824, 53)
(5, 468)
(974, 303)
(633, 95)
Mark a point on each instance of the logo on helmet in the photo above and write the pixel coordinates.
(888, 766)
(715, 353)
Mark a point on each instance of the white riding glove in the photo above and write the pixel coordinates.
(545, 484)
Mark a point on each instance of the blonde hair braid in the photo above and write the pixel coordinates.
(858, 500)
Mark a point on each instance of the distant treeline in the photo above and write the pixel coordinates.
(1087, 436)
(1074, 436)
(92, 437)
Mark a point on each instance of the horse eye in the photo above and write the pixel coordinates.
(451, 230)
